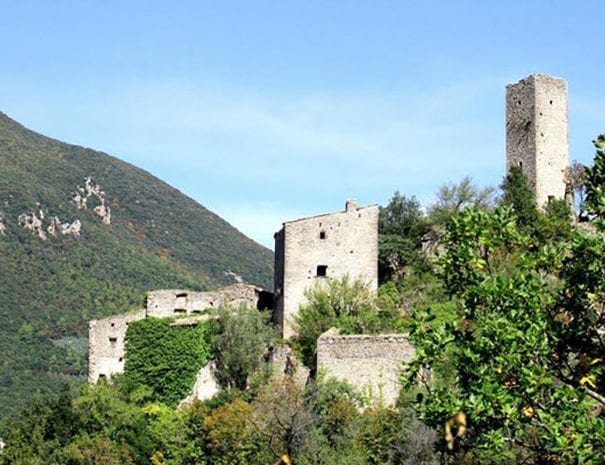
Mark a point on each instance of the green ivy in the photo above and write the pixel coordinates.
(165, 358)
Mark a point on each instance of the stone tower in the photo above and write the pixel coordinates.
(536, 133)
(312, 249)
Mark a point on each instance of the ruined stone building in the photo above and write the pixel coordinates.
(107, 337)
(537, 134)
(310, 250)
(371, 363)
(323, 246)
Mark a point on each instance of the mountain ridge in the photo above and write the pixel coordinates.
(84, 235)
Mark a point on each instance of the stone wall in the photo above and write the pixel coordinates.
(106, 337)
(106, 345)
(176, 302)
(321, 247)
(370, 363)
(537, 133)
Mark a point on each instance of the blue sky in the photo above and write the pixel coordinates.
(268, 111)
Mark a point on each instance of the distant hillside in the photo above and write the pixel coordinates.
(84, 235)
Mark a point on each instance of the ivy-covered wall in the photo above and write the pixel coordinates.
(165, 358)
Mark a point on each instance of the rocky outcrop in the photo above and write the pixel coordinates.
(94, 191)
(42, 225)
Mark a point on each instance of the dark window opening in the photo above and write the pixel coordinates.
(520, 164)
(183, 295)
(180, 310)
(113, 340)
(102, 376)
(322, 234)
(121, 359)
(518, 102)
(322, 270)
(196, 311)
(551, 102)
(551, 198)
(113, 324)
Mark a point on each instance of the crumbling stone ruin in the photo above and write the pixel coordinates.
(370, 363)
(309, 250)
(324, 246)
(536, 133)
(106, 337)
(106, 344)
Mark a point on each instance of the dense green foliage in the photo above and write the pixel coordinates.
(506, 309)
(519, 196)
(317, 425)
(401, 227)
(240, 340)
(525, 346)
(164, 357)
(594, 180)
(348, 305)
(158, 238)
(454, 197)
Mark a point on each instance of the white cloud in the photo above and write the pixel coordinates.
(258, 160)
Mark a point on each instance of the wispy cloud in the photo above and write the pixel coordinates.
(260, 159)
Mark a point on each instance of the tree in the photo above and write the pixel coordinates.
(241, 339)
(453, 198)
(342, 303)
(555, 223)
(231, 435)
(526, 370)
(401, 227)
(595, 181)
(519, 196)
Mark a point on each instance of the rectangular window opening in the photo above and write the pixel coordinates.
(322, 270)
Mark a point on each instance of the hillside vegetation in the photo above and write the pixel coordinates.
(85, 235)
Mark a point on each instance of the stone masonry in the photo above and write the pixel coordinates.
(106, 344)
(170, 303)
(107, 337)
(370, 363)
(537, 133)
(324, 246)
(311, 250)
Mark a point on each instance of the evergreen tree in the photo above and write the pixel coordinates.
(401, 228)
(519, 195)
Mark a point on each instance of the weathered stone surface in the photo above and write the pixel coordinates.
(106, 344)
(206, 386)
(284, 363)
(370, 363)
(537, 133)
(175, 302)
(106, 337)
(320, 247)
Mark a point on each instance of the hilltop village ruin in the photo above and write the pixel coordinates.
(346, 243)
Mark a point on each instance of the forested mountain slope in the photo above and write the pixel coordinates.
(84, 235)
